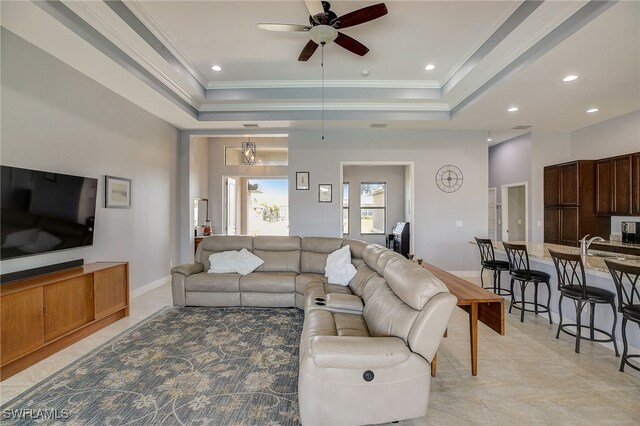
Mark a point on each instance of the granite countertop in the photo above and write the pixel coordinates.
(538, 250)
(618, 244)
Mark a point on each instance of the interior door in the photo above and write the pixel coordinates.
(231, 202)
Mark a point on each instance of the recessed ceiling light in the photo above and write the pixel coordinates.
(571, 77)
(430, 67)
(590, 110)
(489, 140)
(216, 68)
(513, 109)
(365, 73)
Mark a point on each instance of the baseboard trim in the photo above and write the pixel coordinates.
(148, 287)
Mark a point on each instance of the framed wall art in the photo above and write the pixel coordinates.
(117, 192)
(302, 180)
(324, 193)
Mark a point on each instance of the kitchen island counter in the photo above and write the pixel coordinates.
(593, 263)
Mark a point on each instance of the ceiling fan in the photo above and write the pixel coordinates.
(324, 26)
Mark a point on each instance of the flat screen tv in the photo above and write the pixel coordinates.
(44, 211)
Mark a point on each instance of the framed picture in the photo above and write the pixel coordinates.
(117, 192)
(324, 193)
(302, 180)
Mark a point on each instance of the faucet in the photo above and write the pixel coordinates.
(584, 244)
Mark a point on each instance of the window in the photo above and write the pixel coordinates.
(345, 208)
(265, 156)
(373, 207)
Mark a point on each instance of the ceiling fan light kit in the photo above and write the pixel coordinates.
(323, 34)
(325, 25)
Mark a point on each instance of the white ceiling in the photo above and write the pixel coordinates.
(262, 81)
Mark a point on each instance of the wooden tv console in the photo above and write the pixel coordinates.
(44, 314)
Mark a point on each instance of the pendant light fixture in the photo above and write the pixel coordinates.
(248, 152)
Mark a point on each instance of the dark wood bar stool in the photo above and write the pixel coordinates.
(572, 283)
(488, 261)
(520, 271)
(626, 277)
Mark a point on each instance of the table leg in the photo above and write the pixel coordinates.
(434, 365)
(473, 334)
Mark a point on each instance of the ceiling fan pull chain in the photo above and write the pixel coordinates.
(322, 68)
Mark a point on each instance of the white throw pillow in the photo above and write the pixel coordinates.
(247, 262)
(223, 262)
(339, 269)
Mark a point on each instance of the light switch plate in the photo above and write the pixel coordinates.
(458, 224)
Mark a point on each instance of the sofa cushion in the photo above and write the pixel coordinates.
(315, 251)
(363, 275)
(351, 325)
(268, 282)
(387, 315)
(356, 247)
(339, 269)
(220, 243)
(385, 258)
(303, 280)
(371, 286)
(371, 253)
(280, 254)
(414, 285)
(213, 282)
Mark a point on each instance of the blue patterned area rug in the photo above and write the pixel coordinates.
(182, 366)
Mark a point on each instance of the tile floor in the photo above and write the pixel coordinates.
(525, 377)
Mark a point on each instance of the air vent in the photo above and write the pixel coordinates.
(523, 127)
(378, 125)
(251, 125)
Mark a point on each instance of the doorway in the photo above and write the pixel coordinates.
(256, 205)
(230, 197)
(515, 212)
(267, 207)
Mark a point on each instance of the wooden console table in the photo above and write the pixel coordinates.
(44, 314)
(479, 303)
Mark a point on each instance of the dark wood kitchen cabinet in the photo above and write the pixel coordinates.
(562, 183)
(614, 183)
(636, 184)
(569, 204)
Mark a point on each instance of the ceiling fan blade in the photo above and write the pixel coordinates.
(284, 27)
(351, 44)
(308, 50)
(360, 16)
(315, 9)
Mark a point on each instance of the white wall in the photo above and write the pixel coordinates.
(510, 162)
(55, 118)
(393, 176)
(617, 136)
(437, 239)
(200, 167)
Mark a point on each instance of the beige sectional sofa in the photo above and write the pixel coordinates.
(365, 349)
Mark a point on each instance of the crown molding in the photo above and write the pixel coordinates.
(302, 84)
(335, 106)
(144, 16)
(90, 13)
